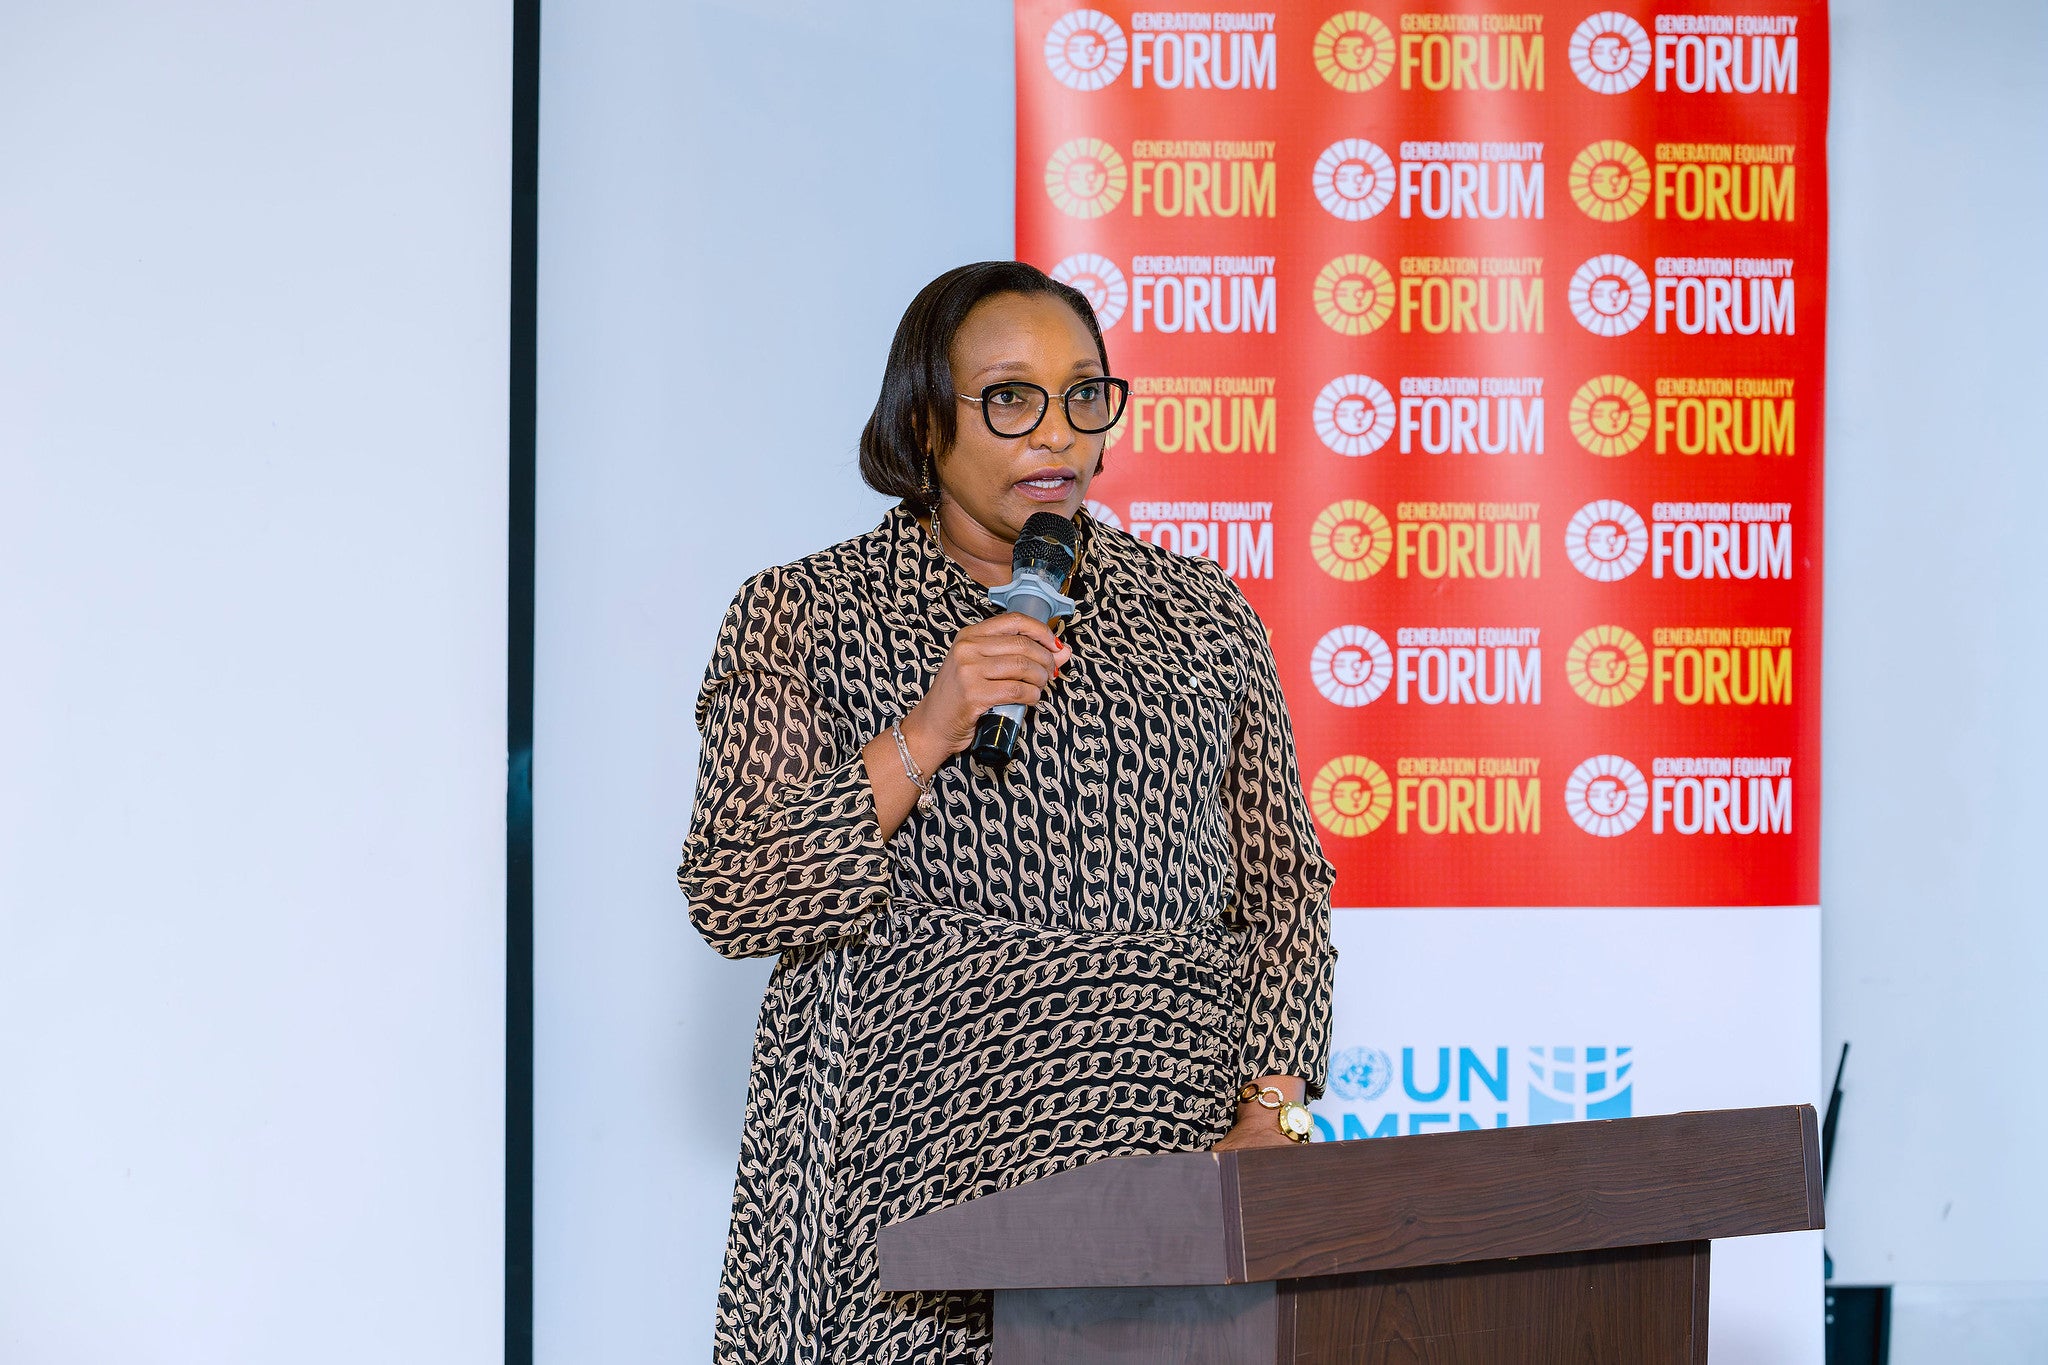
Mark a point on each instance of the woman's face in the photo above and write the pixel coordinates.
(1000, 481)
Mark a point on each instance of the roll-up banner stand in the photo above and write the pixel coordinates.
(1482, 347)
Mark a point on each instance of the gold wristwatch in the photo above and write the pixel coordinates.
(1295, 1124)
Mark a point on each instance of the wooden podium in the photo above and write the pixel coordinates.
(1581, 1242)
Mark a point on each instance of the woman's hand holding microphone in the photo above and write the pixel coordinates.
(1007, 658)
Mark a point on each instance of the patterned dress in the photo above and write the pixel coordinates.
(1081, 956)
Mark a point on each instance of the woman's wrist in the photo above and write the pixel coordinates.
(1292, 1090)
(929, 745)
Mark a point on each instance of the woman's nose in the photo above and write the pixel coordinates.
(1054, 433)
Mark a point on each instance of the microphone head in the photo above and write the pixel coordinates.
(1046, 546)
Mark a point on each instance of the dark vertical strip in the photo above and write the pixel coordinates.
(1702, 1287)
(519, 694)
(1233, 1220)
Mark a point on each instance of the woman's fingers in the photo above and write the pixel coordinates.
(1018, 670)
(1004, 660)
(1002, 692)
(1014, 623)
(1014, 647)
(1035, 665)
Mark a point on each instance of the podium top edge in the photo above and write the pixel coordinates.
(1374, 1204)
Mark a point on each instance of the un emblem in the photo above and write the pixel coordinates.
(1360, 1073)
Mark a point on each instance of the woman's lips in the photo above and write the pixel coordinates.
(1048, 485)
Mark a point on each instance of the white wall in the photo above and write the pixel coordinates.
(252, 310)
(736, 202)
(1936, 944)
(253, 303)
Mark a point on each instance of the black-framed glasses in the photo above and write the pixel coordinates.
(1015, 407)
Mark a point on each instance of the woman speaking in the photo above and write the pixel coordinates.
(1116, 943)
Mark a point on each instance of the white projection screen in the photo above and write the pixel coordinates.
(254, 310)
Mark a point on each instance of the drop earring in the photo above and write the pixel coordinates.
(928, 493)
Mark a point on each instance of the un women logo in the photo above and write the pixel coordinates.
(1360, 1073)
(1567, 1084)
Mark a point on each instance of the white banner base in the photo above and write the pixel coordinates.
(1449, 1019)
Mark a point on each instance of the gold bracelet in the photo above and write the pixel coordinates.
(1293, 1119)
(926, 801)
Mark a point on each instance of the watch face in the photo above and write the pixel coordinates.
(1295, 1120)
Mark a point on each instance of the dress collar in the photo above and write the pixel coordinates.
(1113, 567)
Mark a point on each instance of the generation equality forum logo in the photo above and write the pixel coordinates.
(1100, 282)
(1375, 1093)
(1085, 49)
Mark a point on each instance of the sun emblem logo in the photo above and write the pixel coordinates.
(1351, 666)
(1086, 178)
(1607, 666)
(1606, 540)
(1609, 295)
(1103, 514)
(1606, 795)
(1352, 795)
(1355, 294)
(1351, 540)
(1610, 415)
(1609, 181)
(1354, 51)
(1085, 49)
(1354, 414)
(1609, 53)
(1354, 179)
(1099, 281)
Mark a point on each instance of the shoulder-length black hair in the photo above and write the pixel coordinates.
(917, 410)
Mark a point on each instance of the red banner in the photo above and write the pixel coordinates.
(1483, 348)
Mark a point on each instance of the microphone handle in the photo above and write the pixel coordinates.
(995, 734)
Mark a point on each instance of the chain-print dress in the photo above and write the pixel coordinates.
(1081, 956)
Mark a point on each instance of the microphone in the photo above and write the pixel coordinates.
(1039, 564)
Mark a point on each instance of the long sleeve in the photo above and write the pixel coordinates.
(1283, 881)
(784, 848)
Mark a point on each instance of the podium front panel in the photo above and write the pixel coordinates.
(1637, 1306)
(1235, 1324)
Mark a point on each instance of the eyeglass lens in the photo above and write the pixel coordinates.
(1014, 409)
